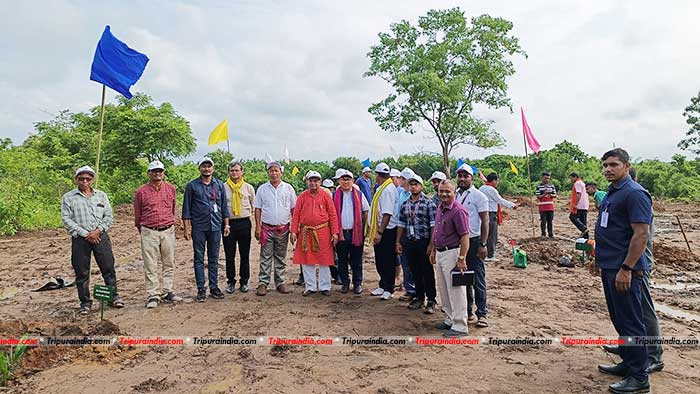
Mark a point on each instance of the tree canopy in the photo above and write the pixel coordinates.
(692, 113)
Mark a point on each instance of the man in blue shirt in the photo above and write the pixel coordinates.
(365, 183)
(204, 212)
(621, 234)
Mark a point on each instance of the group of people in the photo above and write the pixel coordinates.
(434, 241)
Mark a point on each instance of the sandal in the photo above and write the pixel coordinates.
(482, 322)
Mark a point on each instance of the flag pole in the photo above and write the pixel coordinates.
(228, 145)
(99, 134)
(529, 183)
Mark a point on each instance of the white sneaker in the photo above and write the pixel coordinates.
(152, 303)
(387, 296)
(377, 292)
(491, 259)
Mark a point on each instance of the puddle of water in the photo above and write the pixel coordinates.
(675, 286)
(675, 312)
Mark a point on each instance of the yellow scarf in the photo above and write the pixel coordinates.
(237, 197)
(373, 225)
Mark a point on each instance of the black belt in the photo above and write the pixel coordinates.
(158, 228)
(445, 248)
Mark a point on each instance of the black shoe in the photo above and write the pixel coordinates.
(357, 289)
(614, 349)
(231, 288)
(416, 304)
(429, 308)
(629, 385)
(216, 293)
(613, 369)
(244, 288)
(201, 295)
(171, 297)
(443, 326)
(345, 289)
(655, 367)
(307, 293)
(326, 292)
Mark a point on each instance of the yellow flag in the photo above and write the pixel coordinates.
(513, 168)
(219, 134)
(295, 171)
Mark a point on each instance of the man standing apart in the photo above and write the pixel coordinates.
(204, 215)
(495, 202)
(351, 207)
(449, 252)
(477, 206)
(413, 236)
(546, 193)
(381, 232)
(579, 205)
(621, 235)
(315, 223)
(274, 204)
(87, 215)
(154, 218)
(365, 183)
(240, 197)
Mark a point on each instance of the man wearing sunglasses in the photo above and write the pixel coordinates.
(87, 215)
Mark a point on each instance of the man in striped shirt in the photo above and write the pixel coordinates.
(546, 193)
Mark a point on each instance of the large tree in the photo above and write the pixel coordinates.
(440, 70)
(692, 113)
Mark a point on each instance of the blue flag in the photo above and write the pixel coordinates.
(366, 163)
(459, 163)
(476, 170)
(116, 65)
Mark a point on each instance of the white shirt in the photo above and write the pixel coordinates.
(387, 203)
(276, 203)
(475, 202)
(495, 198)
(347, 217)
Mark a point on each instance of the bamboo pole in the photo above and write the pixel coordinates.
(99, 135)
(529, 183)
(683, 232)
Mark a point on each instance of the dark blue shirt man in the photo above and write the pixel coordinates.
(203, 213)
(621, 234)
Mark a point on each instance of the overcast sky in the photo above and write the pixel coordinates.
(598, 73)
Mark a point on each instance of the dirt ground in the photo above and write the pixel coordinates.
(541, 300)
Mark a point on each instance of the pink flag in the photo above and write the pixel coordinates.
(481, 175)
(531, 140)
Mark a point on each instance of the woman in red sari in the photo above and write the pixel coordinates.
(315, 226)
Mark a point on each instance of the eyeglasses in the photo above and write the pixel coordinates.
(84, 178)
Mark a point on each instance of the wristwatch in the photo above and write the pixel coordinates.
(461, 257)
(481, 244)
(626, 267)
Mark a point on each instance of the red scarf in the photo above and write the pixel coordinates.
(357, 235)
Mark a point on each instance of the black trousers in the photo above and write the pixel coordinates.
(385, 260)
(81, 252)
(423, 274)
(240, 238)
(579, 219)
(493, 234)
(546, 220)
(349, 255)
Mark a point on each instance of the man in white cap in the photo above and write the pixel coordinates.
(395, 176)
(315, 224)
(154, 218)
(435, 179)
(87, 215)
(402, 195)
(365, 183)
(477, 205)
(329, 185)
(351, 207)
(382, 233)
(274, 203)
(413, 236)
(495, 203)
(204, 215)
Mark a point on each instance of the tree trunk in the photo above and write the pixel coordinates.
(446, 161)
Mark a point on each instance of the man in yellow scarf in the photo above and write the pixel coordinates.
(381, 232)
(239, 199)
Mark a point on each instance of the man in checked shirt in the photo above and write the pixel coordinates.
(416, 222)
(87, 215)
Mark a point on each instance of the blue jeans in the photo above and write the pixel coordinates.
(408, 284)
(210, 240)
(625, 311)
(478, 291)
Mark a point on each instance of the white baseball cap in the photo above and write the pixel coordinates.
(341, 172)
(438, 175)
(394, 172)
(205, 159)
(416, 177)
(156, 165)
(327, 183)
(85, 169)
(313, 174)
(382, 168)
(407, 173)
(466, 167)
(366, 169)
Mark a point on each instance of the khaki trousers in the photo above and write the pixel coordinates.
(453, 299)
(158, 247)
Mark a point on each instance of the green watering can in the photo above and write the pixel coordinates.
(519, 256)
